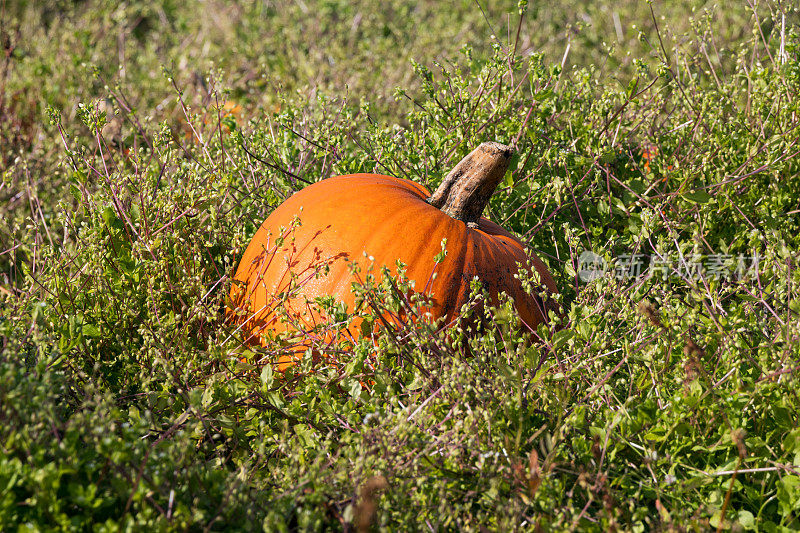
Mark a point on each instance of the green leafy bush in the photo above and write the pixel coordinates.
(664, 401)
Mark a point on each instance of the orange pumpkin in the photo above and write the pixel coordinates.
(344, 218)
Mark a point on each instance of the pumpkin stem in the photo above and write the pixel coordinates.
(466, 190)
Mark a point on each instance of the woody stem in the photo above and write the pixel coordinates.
(466, 190)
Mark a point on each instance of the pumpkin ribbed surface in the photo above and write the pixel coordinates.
(344, 217)
(307, 247)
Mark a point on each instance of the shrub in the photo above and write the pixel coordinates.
(662, 401)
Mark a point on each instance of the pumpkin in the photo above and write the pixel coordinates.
(305, 248)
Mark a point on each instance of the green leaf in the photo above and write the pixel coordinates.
(561, 337)
(267, 376)
(441, 255)
(355, 389)
(789, 494)
(747, 520)
(791, 442)
(90, 330)
(631, 89)
(110, 218)
(698, 197)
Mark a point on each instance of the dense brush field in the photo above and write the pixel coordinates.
(143, 143)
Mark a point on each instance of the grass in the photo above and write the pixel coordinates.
(142, 145)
